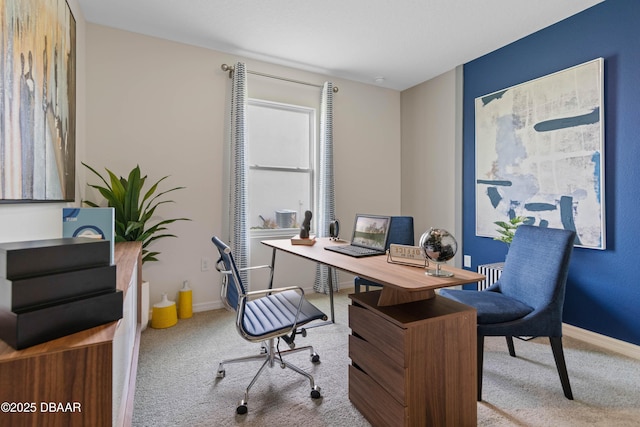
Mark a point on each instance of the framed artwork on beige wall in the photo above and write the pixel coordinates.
(37, 101)
(540, 154)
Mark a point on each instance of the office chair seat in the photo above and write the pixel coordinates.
(277, 313)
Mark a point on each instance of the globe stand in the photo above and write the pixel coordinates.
(439, 246)
(438, 272)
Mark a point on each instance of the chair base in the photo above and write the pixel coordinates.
(269, 354)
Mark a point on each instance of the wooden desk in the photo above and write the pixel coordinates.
(401, 283)
(91, 373)
(413, 352)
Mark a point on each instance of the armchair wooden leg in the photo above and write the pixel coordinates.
(512, 350)
(558, 355)
(480, 359)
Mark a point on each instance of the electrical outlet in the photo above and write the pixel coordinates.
(205, 263)
(467, 261)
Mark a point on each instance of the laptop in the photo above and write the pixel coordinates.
(370, 235)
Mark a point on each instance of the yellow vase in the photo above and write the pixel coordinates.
(185, 301)
(164, 314)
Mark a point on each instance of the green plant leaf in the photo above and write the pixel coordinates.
(132, 218)
(507, 229)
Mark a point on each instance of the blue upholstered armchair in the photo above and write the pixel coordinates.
(262, 316)
(400, 233)
(528, 298)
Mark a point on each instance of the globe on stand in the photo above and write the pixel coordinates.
(439, 246)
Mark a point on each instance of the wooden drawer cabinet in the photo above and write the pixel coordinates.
(413, 364)
(390, 375)
(374, 402)
(83, 379)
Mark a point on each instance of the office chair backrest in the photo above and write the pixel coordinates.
(537, 265)
(232, 285)
(401, 231)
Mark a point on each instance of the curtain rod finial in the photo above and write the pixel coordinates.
(229, 68)
(335, 89)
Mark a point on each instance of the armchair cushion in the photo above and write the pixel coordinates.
(492, 307)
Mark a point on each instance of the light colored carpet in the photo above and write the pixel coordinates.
(177, 385)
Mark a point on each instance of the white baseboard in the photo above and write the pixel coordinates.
(607, 343)
(206, 306)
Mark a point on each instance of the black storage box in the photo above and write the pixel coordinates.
(52, 288)
(36, 325)
(41, 257)
(23, 293)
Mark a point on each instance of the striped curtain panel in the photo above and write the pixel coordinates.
(238, 193)
(326, 197)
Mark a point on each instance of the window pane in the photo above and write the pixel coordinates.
(278, 137)
(278, 199)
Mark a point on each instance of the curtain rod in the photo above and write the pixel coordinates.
(229, 68)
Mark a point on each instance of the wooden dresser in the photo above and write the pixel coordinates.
(413, 364)
(84, 379)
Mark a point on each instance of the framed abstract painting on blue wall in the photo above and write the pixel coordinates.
(37, 101)
(540, 154)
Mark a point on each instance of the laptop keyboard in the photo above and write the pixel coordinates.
(355, 250)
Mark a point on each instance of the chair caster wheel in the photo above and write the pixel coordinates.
(315, 358)
(242, 408)
(315, 392)
(221, 373)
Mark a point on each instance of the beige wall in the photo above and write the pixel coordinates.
(432, 154)
(162, 105)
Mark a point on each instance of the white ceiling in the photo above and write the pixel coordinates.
(404, 41)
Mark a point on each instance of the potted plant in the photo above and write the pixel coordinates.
(134, 209)
(133, 215)
(508, 229)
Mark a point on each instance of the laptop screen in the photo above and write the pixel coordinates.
(371, 231)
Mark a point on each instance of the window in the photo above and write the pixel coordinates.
(281, 141)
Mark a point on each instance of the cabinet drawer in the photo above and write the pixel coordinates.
(390, 375)
(380, 333)
(378, 407)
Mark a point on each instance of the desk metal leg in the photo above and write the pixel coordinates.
(273, 265)
(333, 317)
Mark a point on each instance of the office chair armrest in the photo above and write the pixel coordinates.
(256, 267)
(243, 269)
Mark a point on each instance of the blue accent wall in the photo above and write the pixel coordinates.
(603, 290)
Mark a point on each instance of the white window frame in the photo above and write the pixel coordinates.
(313, 159)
